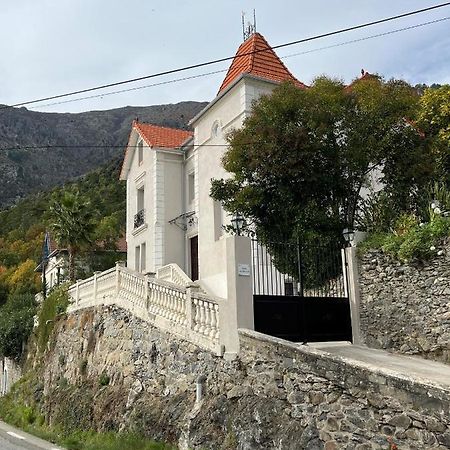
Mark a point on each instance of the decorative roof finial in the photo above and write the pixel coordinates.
(249, 29)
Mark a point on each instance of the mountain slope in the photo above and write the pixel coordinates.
(25, 171)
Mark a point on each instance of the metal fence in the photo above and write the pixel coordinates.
(298, 269)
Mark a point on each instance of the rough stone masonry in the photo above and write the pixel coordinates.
(405, 308)
(108, 370)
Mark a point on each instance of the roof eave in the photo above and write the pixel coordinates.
(189, 141)
(217, 98)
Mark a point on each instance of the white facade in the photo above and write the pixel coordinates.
(55, 270)
(173, 187)
(228, 111)
(155, 186)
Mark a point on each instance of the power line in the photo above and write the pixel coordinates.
(216, 61)
(373, 36)
(176, 80)
(100, 146)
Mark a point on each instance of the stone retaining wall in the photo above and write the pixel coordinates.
(10, 372)
(108, 370)
(405, 308)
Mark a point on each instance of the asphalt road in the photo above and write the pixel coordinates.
(13, 439)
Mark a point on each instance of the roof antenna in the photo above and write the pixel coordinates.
(250, 29)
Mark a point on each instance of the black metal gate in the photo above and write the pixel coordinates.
(300, 292)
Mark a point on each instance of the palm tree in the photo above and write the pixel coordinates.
(72, 224)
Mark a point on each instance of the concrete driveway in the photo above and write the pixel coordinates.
(410, 366)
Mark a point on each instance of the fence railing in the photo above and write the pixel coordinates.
(139, 218)
(179, 309)
(293, 268)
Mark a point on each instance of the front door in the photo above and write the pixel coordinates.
(194, 258)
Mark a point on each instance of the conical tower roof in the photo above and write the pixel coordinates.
(256, 57)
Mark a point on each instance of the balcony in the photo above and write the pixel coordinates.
(139, 218)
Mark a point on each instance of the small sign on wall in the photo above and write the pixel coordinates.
(244, 270)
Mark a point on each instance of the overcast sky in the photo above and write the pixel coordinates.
(50, 47)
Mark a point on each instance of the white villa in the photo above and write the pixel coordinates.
(171, 217)
(54, 260)
(175, 230)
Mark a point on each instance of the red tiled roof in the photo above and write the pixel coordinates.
(365, 76)
(264, 64)
(154, 136)
(161, 137)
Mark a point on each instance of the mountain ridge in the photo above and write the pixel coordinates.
(26, 171)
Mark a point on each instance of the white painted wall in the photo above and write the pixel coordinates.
(161, 174)
(51, 270)
(173, 204)
(140, 175)
(165, 177)
(229, 111)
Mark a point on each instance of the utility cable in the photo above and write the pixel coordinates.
(216, 61)
(176, 80)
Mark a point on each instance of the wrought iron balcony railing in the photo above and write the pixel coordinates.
(139, 218)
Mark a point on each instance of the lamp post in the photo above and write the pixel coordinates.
(349, 236)
(238, 223)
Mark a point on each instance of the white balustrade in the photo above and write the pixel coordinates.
(176, 306)
(205, 316)
(174, 274)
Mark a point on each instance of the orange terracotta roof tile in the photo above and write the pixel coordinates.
(264, 64)
(161, 137)
(154, 136)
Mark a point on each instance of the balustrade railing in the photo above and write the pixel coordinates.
(176, 306)
(173, 273)
(205, 316)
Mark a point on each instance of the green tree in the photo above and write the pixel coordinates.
(300, 160)
(72, 224)
(16, 323)
(434, 121)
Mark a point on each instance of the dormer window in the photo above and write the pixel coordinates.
(140, 152)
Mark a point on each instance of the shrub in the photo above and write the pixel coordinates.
(411, 241)
(16, 323)
(55, 303)
(376, 213)
(104, 379)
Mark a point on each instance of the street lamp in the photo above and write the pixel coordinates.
(238, 223)
(349, 236)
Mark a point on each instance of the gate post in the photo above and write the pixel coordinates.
(351, 276)
(238, 311)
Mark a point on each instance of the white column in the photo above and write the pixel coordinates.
(119, 265)
(237, 312)
(77, 295)
(95, 285)
(191, 288)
